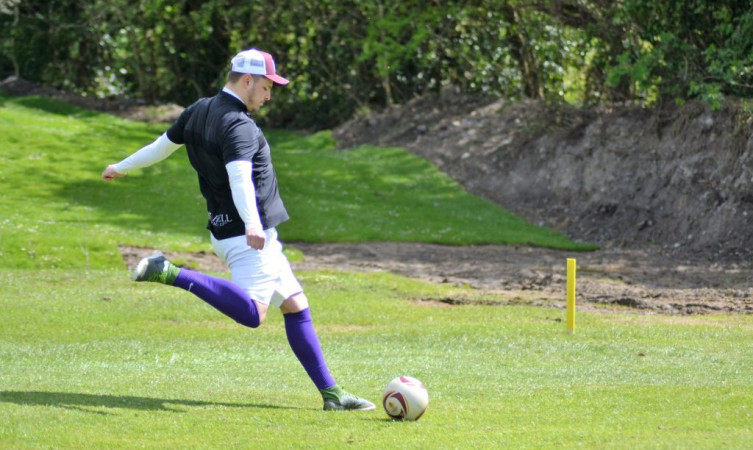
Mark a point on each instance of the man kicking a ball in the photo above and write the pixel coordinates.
(234, 165)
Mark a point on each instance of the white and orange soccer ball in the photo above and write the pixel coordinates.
(405, 398)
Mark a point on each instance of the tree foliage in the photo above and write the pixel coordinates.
(345, 56)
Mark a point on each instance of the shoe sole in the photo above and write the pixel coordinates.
(140, 268)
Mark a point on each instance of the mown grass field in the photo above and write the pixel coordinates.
(89, 359)
(56, 212)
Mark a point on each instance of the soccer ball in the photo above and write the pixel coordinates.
(405, 398)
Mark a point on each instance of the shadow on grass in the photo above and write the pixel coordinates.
(141, 203)
(52, 106)
(83, 402)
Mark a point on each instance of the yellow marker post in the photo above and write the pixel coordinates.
(570, 295)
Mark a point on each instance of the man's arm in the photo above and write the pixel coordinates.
(153, 153)
(244, 197)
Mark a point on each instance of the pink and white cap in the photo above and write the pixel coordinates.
(257, 62)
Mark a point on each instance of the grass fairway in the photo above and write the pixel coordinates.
(89, 359)
(55, 212)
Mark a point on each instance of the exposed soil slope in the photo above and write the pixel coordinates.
(678, 180)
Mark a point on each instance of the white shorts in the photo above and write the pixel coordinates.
(264, 274)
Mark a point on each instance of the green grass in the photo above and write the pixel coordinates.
(88, 359)
(57, 213)
(388, 194)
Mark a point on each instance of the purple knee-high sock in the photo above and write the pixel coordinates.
(305, 344)
(224, 295)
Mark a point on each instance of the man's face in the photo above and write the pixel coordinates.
(259, 91)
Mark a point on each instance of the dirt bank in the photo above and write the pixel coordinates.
(678, 180)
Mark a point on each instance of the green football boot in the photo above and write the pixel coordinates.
(336, 399)
(155, 268)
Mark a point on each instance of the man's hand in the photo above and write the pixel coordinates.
(110, 173)
(255, 238)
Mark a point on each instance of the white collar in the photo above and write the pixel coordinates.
(230, 91)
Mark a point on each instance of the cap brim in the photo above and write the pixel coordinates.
(276, 79)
